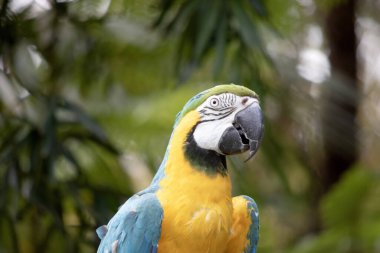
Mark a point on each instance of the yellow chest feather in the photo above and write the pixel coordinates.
(195, 220)
(197, 207)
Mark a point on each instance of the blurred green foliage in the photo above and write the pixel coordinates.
(350, 215)
(224, 27)
(85, 83)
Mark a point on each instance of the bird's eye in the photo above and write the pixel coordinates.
(214, 102)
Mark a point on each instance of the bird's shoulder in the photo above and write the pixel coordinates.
(136, 227)
(245, 230)
(253, 233)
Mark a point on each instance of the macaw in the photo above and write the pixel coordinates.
(188, 208)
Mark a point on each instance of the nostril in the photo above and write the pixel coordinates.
(244, 101)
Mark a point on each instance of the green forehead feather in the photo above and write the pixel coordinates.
(198, 99)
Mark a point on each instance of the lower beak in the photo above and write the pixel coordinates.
(245, 134)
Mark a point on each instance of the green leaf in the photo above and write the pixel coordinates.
(16, 137)
(69, 156)
(246, 28)
(182, 16)
(165, 6)
(259, 7)
(84, 120)
(220, 47)
(345, 201)
(50, 129)
(207, 26)
(328, 4)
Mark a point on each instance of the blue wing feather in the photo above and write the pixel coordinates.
(135, 228)
(253, 234)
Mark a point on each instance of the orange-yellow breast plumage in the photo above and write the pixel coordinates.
(198, 212)
(241, 222)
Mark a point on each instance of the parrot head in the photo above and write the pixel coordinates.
(229, 122)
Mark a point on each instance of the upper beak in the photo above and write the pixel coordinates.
(246, 132)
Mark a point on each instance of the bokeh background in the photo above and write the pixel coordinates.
(89, 90)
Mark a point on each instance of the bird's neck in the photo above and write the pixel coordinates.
(191, 167)
(207, 161)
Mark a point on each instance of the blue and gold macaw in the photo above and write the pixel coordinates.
(188, 208)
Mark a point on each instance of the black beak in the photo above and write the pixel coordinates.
(245, 134)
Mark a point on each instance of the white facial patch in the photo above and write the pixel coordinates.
(217, 114)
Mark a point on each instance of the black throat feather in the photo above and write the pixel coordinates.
(202, 159)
